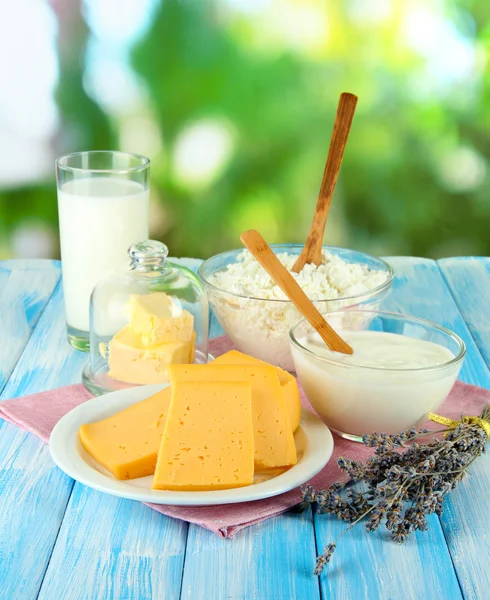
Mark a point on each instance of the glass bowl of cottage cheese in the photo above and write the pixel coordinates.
(256, 314)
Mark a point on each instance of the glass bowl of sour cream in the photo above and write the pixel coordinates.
(402, 368)
(256, 314)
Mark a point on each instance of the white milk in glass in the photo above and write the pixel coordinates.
(100, 217)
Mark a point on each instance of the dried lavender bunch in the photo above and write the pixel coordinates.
(404, 481)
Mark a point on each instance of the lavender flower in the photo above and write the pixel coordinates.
(324, 558)
(401, 487)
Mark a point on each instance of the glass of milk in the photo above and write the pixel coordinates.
(103, 206)
(402, 368)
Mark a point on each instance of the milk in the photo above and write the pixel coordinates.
(100, 217)
(389, 384)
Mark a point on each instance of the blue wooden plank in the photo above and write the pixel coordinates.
(25, 288)
(31, 264)
(468, 278)
(267, 561)
(34, 492)
(465, 521)
(467, 518)
(114, 549)
(421, 290)
(369, 565)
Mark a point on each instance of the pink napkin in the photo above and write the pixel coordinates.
(39, 413)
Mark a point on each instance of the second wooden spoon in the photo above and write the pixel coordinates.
(312, 251)
(269, 261)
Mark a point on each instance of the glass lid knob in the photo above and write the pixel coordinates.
(150, 254)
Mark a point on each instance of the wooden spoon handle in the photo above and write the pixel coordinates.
(312, 251)
(261, 251)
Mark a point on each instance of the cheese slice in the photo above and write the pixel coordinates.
(127, 443)
(287, 381)
(208, 442)
(131, 361)
(273, 437)
(157, 319)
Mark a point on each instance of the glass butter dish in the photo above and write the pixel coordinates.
(144, 318)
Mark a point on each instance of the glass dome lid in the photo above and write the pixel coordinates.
(143, 318)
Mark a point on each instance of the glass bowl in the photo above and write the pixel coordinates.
(353, 399)
(260, 326)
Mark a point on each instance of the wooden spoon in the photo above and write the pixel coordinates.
(260, 249)
(312, 251)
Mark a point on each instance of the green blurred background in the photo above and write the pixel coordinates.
(234, 101)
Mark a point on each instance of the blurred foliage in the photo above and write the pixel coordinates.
(399, 190)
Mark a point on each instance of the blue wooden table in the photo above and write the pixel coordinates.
(62, 541)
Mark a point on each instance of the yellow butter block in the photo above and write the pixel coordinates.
(127, 443)
(287, 381)
(131, 361)
(156, 319)
(208, 443)
(273, 436)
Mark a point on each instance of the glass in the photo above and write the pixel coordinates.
(103, 208)
(133, 346)
(260, 327)
(354, 399)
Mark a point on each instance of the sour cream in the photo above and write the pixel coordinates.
(383, 350)
(389, 384)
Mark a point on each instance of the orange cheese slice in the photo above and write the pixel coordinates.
(208, 442)
(273, 436)
(287, 381)
(127, 443)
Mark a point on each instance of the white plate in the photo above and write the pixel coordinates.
(314, 445)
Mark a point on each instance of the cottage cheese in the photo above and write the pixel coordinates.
(260, 327)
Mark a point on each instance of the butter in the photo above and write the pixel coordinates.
(288, 382)
(127, 443)
(157, 319)
(273, 436)
(132, 361)
(158, 334)
(208, 442)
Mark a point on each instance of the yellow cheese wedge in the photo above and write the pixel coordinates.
(273, 437)
(208, 442)
(127, 443)
(131, 361)
(287, 381)
(157, 320)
